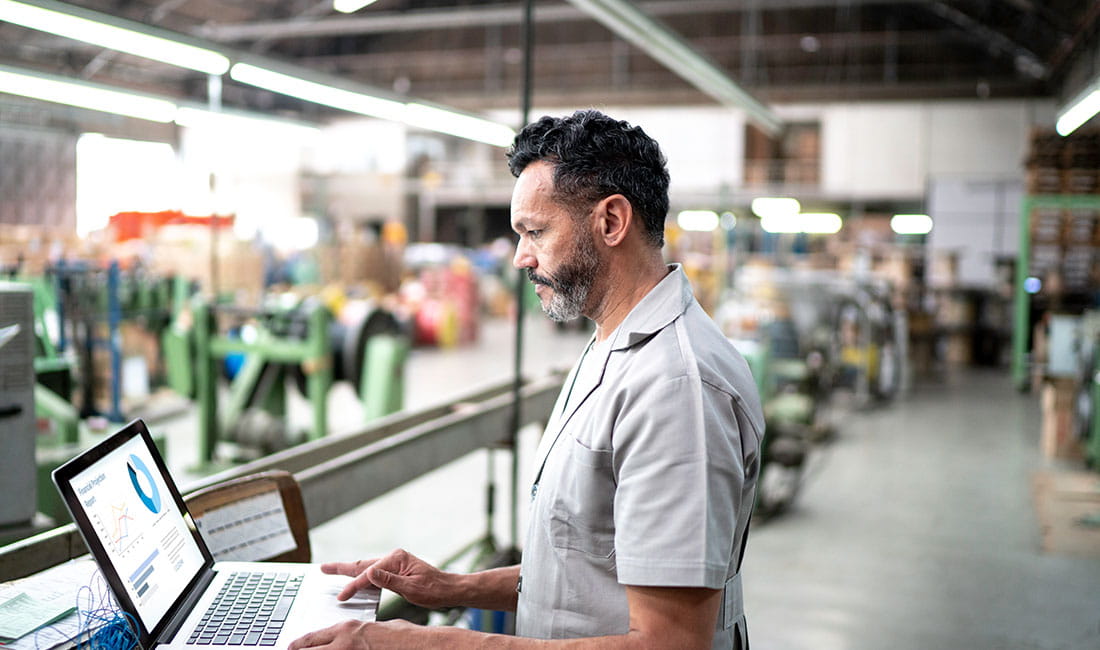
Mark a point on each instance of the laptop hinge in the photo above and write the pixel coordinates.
(184, 608)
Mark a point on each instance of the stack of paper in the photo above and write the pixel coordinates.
(23, 614)
(39, 611)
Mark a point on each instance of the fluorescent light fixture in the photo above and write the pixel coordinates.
(412, 113)
(350, 6)
(312, 91)
(911, 224)
(767, 206)
(457, 124)
(198, 118)
(1078, 113)
(697, 220)
(63, 23)
(781, 223)
(820, 223)
(85, 95)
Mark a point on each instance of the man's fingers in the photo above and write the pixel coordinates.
(350, 569)
(313, 639)
(365, 580)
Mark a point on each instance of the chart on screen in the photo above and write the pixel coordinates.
(139, 525)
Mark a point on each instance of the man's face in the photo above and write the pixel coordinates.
(557, 250)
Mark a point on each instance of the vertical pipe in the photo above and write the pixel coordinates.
(214, 101)
(319, 370)
(114, 340)
(521, 280)
(1021, 306)
(205, 383)
(61, 292)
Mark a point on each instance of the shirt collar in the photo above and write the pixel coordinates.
(663, 304)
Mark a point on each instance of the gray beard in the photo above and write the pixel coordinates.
(572, 283)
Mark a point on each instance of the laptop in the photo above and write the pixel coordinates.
(146, 543)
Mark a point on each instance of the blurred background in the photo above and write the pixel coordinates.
(279, 233)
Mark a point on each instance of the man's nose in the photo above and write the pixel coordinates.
(523, 259)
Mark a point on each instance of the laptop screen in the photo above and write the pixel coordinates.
(131, 509)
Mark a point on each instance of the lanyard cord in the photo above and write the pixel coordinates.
(564, 406)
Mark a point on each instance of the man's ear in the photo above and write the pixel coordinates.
(614, 219)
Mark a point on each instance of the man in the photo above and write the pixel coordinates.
(647, 470)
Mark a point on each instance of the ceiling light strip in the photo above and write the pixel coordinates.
(83, 94)
(329, 92)
(319, 93)
(287, 79)
(350, 6)
(112, 33)
(105, 99)
(464, 126)
(1079, 111)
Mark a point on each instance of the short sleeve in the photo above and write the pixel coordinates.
(678, 464)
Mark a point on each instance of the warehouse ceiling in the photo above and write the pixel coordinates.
(468, 53)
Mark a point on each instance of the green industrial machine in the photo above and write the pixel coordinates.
(53, 371)
(790, 392)
(1087, 402)
(57, 373)
(262, 353)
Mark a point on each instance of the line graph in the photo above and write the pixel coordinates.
(121, 521)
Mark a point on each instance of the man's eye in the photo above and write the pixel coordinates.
(534, 234)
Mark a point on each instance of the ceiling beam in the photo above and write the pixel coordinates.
(484, 16)
(420, 113)
(474, 58)
(677, 55)
(1025, 60)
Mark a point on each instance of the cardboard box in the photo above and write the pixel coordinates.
(957, 349)
(1056, 439)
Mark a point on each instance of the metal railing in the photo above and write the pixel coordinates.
(338, 474)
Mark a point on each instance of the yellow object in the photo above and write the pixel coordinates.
(866, 358)
(448, 325)
(333, 297)
(394, 233)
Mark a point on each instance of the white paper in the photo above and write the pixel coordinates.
(60, 584)
(248, 530)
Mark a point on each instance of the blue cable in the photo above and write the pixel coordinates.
(101, 625)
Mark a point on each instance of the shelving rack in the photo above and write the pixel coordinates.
(1022, 302)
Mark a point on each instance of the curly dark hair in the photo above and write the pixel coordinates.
(595, 156)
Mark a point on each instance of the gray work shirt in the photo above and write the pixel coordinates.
(648, 473)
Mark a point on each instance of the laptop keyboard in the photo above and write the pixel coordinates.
(250, 609)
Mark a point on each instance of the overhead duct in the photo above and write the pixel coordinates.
(662, 44)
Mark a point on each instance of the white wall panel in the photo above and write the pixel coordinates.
(874, 150)
(978, 138)
(976, 218)
(705, 146)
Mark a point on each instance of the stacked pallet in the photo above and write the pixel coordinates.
(1065, 243)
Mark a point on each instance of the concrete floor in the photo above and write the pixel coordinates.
(914, 528)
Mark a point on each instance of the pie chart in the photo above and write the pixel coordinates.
(148, 493)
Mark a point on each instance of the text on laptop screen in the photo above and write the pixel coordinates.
(138, 523)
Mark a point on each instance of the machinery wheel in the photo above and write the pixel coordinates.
(348, 343)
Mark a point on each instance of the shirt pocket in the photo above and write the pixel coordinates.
(582, 516)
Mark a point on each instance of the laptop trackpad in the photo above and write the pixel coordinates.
(315, 606)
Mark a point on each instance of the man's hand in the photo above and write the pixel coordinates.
(660, 618)
(402, 573)
(353, 635)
